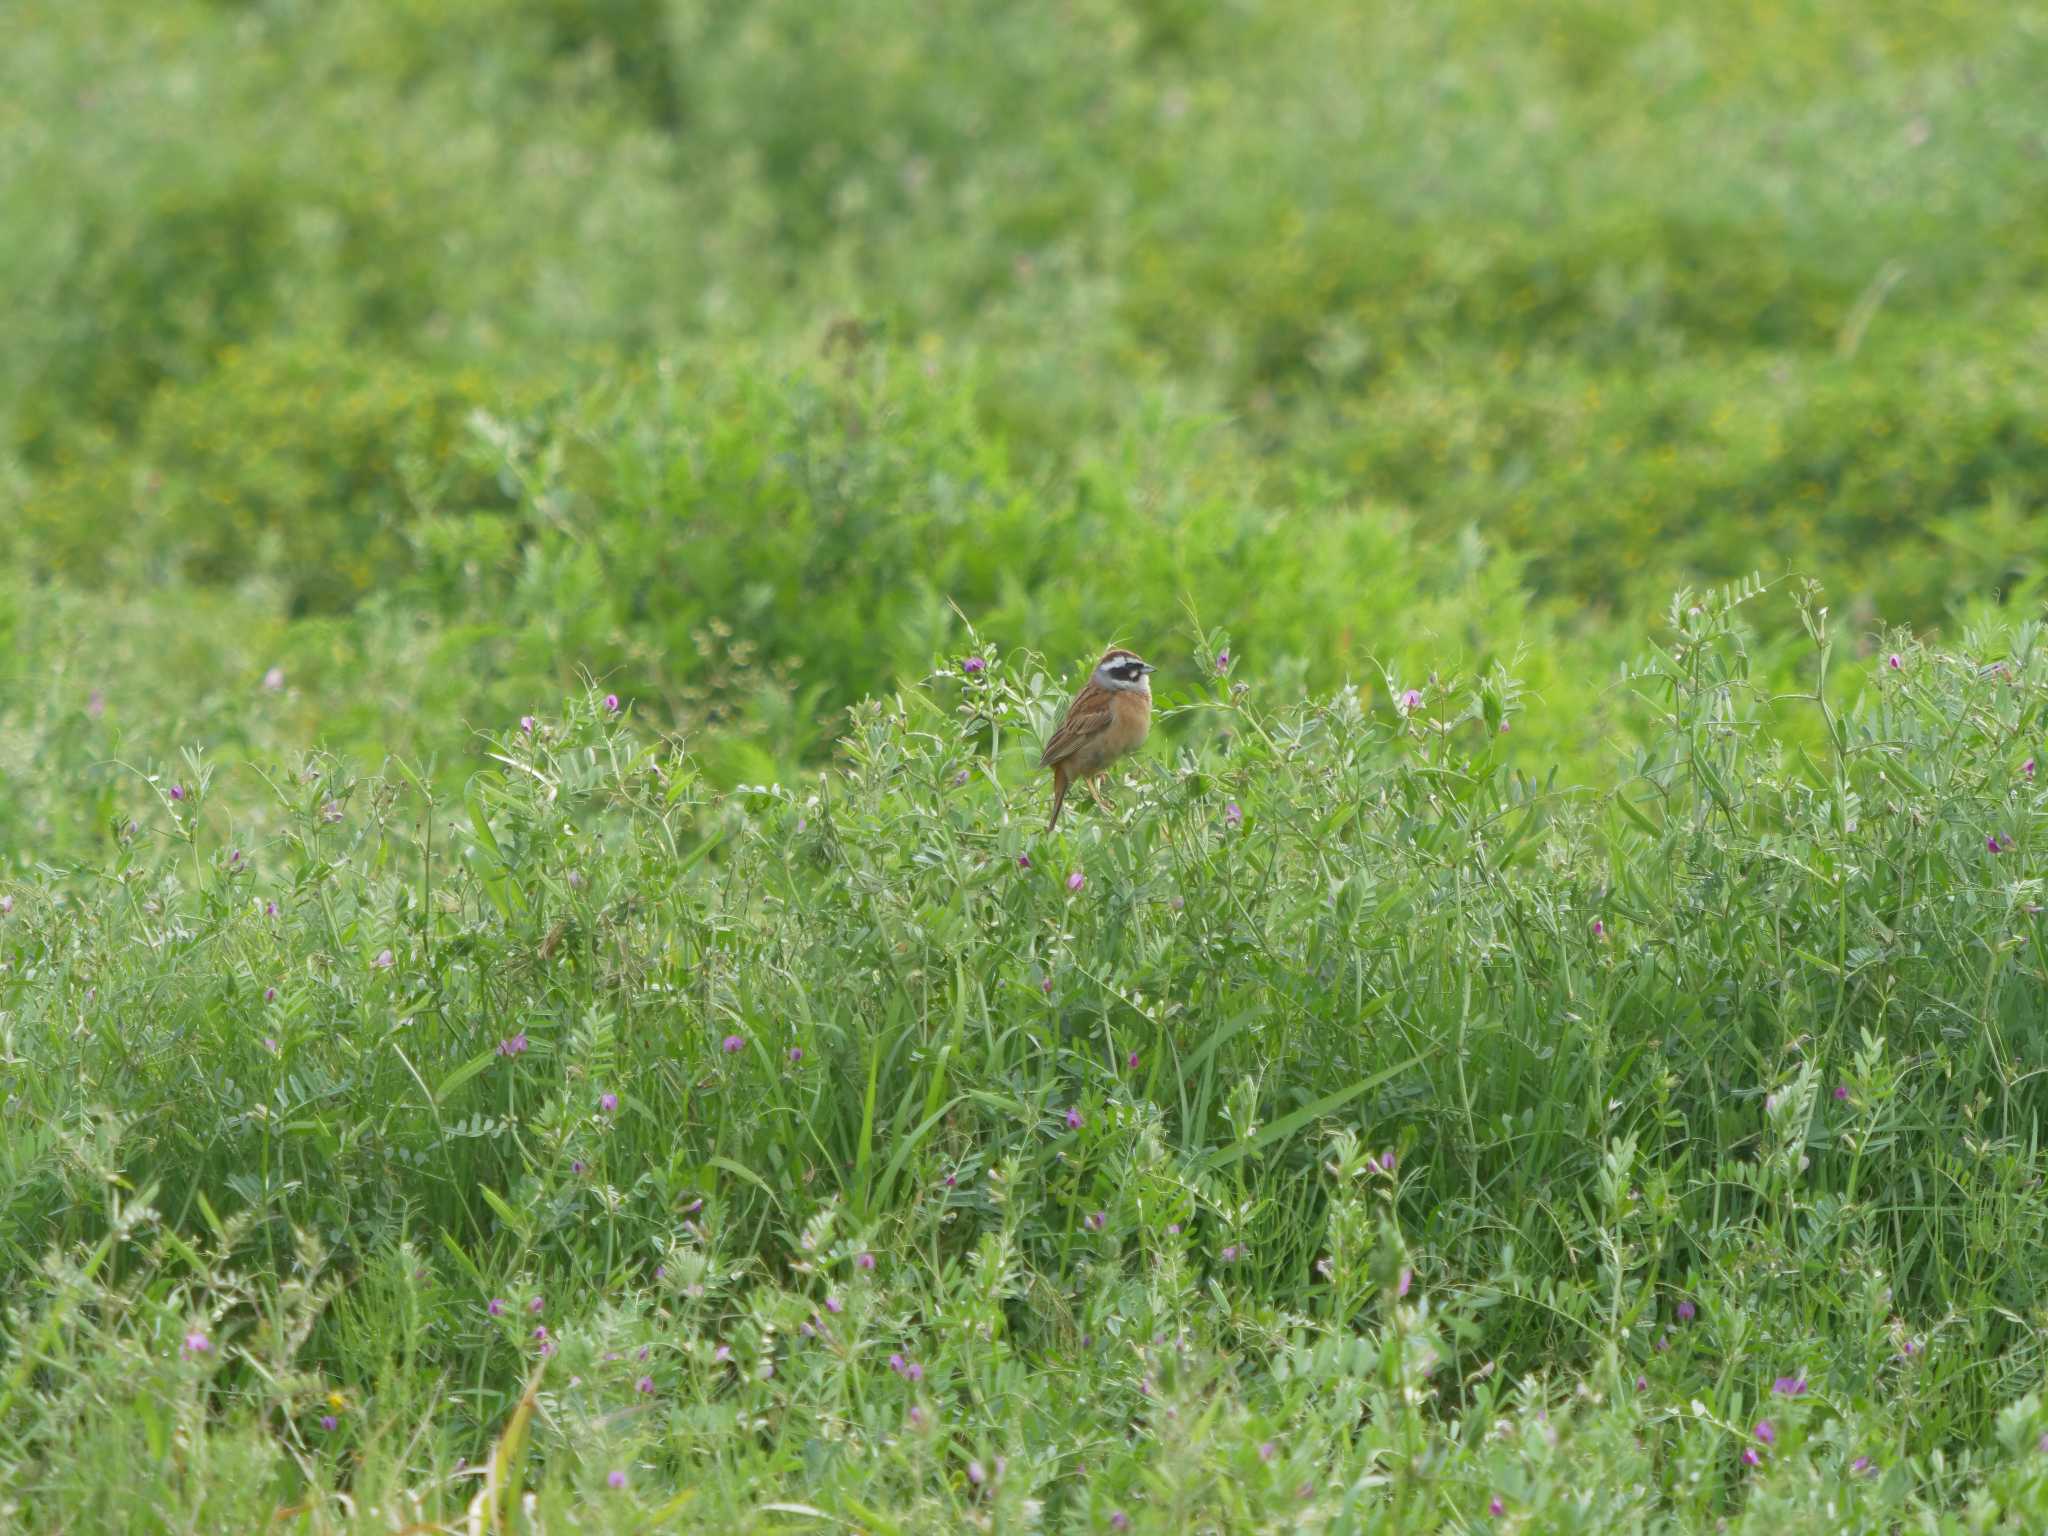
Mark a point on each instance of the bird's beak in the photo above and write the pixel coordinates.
(1149, 668)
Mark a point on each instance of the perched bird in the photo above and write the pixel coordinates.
(1108, 718)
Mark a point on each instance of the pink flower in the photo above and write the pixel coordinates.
(1096, 1221)
(1231, 1253)
(732, 1045)
(1023, 861)
(644, 1386)
(864, 1261)
(796, 1054)
(526, 724)
(1750, 1458)
(611, 703)
(1893, 661)
(1073, 1118)
(383, 962)
(1233, 816)
(1789, 1386)
(496, 1306)
(197, 1343)
(512, 1045)
(1131, 1062)
(177, 791)
(834, 1305)
(1687, 1311)
(1862, 1464)
(1387, 1161)
(1599, 929)
(608, 1102)
(1076, 880)
(1841, 1092)
(1765, 1433)
(1045, 984)
(273, 680)
(615, 1479)
(270, 994)
(328, 1422)
(973, 664)
(537, 1305)
(1119, 1521)
(1222, 662)
(1407, 1278)
(2027, 767)
(1268, 1450)
(1494, 1506)
(722, 1354)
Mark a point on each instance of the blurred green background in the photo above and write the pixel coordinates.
(441, 352)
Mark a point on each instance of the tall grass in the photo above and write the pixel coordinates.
(1338, 1130)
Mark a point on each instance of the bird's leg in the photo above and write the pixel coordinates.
(1095, 789)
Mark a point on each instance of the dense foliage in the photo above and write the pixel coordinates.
(532, 987)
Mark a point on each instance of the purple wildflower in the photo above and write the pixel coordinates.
(526, 724)
(2027, 767)
(384, 960)
(864, 1261)
(975, 1474)
(898, 1364)
(834, 1305)
(1231, 1253)
(913, 1372)
(1765, 1433)
(1073, 1118)
(1045, 984)
(608, 1102)
(1992, 843)
(1222, 661)
(1860, 1465)
(1411, 700)
(1893, 661)
(1131, 1062)
(1599, 929)
(973, 664)
(644, 1386)
(615, 1478)
(1023, 861)
(1750, 1458)
(1642, 1383)
(1233, 815)
(196, 1343)
(512, 1045)
(796, 1054)
(96, 704)
(328, 1422)
(611, 703)
(1076, 880)
(1494, 1506)
(732, 1045)
(270, 994)
(1268, 1450)
(1687, 1311)
(1119, 1521)
(1789, 1386)
(1096, 1221)
(177, 791)
(722, 1354)
(1387, 1161)
(1841, 1092)
(576, 1167)
(495, 1306)
(540, 1333)
(1406, 1280)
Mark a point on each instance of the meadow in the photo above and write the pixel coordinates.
(539, 540)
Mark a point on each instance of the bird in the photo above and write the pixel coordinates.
(1109, 717)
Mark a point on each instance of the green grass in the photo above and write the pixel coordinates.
(1369, 1133)
(1407, 1111)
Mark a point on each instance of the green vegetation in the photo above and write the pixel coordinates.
(1603, 1095)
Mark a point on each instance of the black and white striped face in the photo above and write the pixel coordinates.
(1121, 671)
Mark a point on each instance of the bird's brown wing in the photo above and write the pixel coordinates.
(1087, 717)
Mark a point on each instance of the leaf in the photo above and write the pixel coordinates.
(1288, 1124)
(463, 1074)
